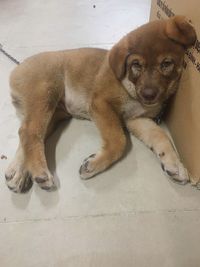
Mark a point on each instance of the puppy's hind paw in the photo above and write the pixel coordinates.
(18, 181)
(45, 181)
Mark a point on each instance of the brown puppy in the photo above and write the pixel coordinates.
(124, 86)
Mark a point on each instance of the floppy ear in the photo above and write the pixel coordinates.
(181, 31)
(117, 59)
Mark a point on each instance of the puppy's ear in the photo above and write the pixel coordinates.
(181, 31)
(117, 59)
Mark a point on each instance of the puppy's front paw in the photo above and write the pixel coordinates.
(176, 171)
(88, 168)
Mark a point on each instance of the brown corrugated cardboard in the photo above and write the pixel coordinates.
(183, 117)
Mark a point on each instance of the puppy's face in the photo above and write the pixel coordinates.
(155, 76)
(149, 60)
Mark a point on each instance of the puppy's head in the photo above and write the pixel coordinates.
(149, 60)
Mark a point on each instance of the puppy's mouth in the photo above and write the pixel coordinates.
(149, 97)
(149, 103)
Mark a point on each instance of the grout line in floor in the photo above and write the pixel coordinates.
(117, 214)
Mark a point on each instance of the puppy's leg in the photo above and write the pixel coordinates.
(157, 140)
(30, 160)
(59, 115)
(114, 140)
(18, 178)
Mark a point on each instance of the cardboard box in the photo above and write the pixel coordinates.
(183, 116)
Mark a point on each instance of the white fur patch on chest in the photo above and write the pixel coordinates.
(132, 109)
(76, 102)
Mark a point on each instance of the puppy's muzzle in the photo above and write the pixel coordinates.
(149, 95)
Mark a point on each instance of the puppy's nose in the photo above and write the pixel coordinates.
(149, 93)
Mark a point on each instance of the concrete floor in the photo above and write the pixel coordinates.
(131, 215)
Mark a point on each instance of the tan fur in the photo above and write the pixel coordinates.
(108, 87)
(157, 140)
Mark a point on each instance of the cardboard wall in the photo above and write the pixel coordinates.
(183, 117)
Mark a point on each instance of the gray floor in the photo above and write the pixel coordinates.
(131, 215)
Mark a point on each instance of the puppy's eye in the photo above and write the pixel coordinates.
(167, 66)
(136, 64)
(167, 63)
(136, 68)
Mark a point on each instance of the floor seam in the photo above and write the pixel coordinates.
(120, 214)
